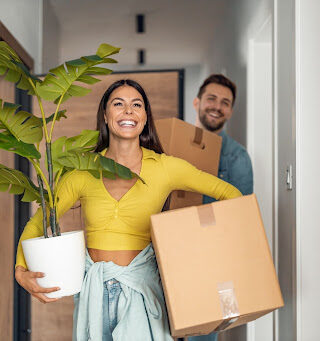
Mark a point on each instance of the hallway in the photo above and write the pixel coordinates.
(269, 49)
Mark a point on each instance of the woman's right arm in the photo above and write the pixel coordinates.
(183, 175)
(69, 191)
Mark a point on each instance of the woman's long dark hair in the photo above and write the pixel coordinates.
(148, 138)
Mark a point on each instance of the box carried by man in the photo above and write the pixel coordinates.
(215, 264)
(195, 145)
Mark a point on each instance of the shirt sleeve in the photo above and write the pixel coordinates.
(69, 191)
(241, 174)
(184, 176)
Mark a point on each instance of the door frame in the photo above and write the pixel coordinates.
(261, 122)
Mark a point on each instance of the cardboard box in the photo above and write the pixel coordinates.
(215, 265)
(197, 146)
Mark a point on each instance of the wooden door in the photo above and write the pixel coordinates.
(163, 91)
(7, 92)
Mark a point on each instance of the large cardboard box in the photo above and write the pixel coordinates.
(215, 265)
(197, 146)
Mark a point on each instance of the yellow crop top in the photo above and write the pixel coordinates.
(125, 224)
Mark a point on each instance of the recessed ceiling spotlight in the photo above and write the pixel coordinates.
(141, 56)
(140, 26)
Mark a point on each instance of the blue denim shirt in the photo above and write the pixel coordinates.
(234, 167)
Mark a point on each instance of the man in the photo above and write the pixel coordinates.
(214, 106)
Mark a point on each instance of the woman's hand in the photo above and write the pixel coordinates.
(27, 279)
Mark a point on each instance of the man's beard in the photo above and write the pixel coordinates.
(209, 125)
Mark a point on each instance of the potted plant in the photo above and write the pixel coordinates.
(60, 255)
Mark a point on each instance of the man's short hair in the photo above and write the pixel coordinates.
(221, 80)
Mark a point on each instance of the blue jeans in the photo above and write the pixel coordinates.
(111, 294)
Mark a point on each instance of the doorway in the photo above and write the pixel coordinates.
(260, 145)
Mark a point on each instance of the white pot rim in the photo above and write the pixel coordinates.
(42, 239)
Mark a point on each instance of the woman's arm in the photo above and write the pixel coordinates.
(69, 191)
(184, 176)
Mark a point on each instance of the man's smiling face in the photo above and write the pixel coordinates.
(214, 107)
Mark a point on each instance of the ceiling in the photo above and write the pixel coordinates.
(178, 32)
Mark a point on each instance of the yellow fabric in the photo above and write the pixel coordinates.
(125, 224)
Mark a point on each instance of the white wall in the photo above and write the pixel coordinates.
(308, 165)
(285, 150)
(193, 77)
(24, 20)
(51, 38)
(192, 82)
(236, 23)
(173, 34)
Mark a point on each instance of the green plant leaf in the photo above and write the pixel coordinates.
(15, 71)
(99, 70)
(16, 182)
(105, 50)
(94, 173)
(85, 141)
(60, 81)
(60, 114)
(21, 124)
(123, 172)
(76, 153)
(81, 161)
(11, 144)
(88, 79)
(96, 164)
(110, 166)
(107, 174)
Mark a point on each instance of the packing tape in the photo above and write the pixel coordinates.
(228, 304)
(206, 215)
(197, 140)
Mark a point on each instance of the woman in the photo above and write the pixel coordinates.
(121, 297)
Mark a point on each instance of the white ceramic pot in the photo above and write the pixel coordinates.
(61, 259)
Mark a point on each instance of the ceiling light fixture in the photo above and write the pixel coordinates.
(140, 28)
(141, 56)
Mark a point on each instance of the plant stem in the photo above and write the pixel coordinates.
(53, 221)
(55, 117)
(39, 171)
(49, 164)
(53, 213)
(42, 111)
(43, 119)
(57, 182)
(44, 207)
(56, 196)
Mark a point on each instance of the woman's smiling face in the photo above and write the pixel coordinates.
(125, 113)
